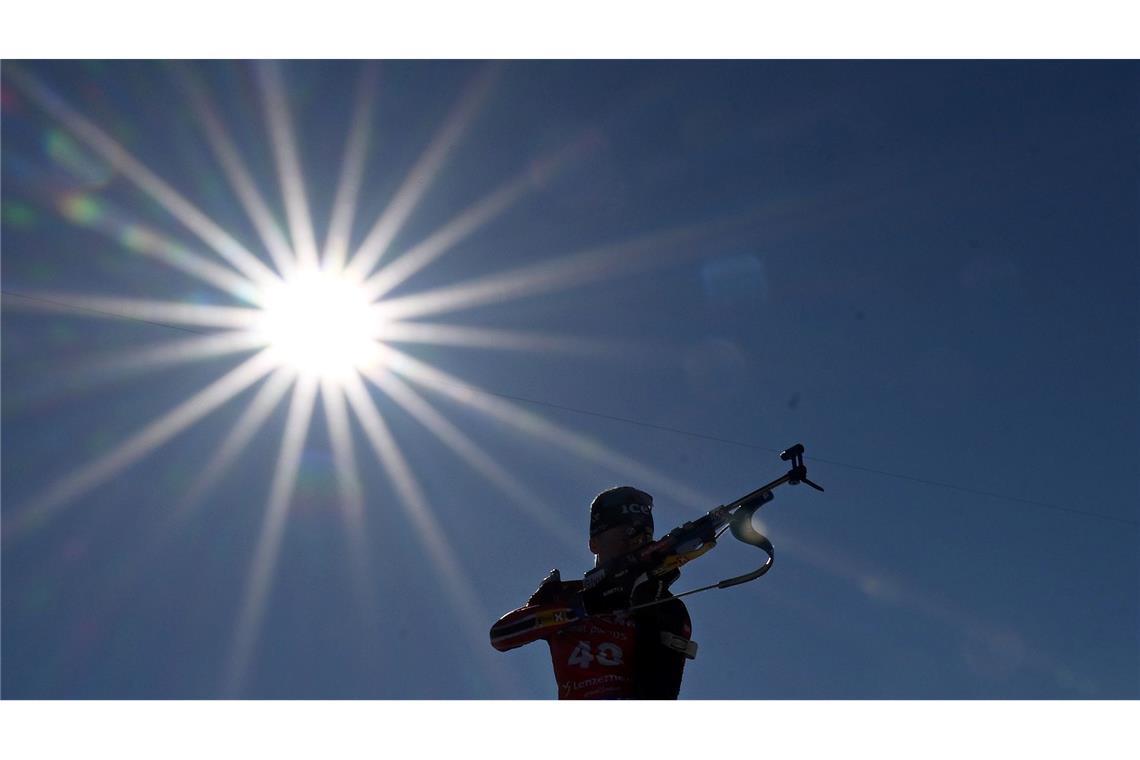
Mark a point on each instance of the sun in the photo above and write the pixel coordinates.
(319, 323)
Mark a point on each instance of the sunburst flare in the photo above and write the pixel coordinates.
(317, 323)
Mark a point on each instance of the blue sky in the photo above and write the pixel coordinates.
(924, 269)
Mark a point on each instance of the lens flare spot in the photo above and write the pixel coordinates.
(80, 164)
(18, 215)
(81, 209)
(137, 238)
(320, 324)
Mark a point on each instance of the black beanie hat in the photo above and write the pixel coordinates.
(624, 505)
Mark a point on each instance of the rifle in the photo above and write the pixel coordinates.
(611, 588)
(618, 581)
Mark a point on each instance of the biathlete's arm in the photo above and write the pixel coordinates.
(530, 623)
(549, 608)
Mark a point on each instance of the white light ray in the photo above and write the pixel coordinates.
(176, 352)
(151, 547)
(384, 230)
(265, 400)
(461, 593)
(138, 238)
(102, 370)
(247, 425)
(288, 163)
(70, 381)
(111, 307)
(539, 427)
(521, 496)
(117, 156)
(885, 589)
(445, 238)
(470, 220)
(351, 172)
(141, 239)
(236, 172)
(645, 252)
(352, 499)
(264, 563)
(140, 444)
(486, 337)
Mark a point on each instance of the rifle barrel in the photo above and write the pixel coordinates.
(757, 493)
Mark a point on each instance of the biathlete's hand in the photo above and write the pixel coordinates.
(652, 589)
(549, 591)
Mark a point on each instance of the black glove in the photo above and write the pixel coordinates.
(549, 591)
(651, 589)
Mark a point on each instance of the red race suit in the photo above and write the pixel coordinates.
(619, 655)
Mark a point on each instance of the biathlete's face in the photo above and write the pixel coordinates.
(620, 539)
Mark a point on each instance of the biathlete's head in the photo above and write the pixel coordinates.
(621, 520)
